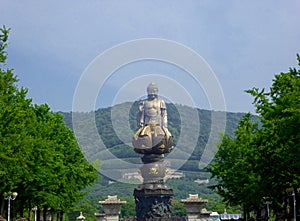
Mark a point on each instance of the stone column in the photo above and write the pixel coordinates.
(153, 197)
(194, 208)
(112, 207)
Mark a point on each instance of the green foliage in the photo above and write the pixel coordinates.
(40, 158)
(261, 160)
(88, 207)
(216, 204)
(178, 208)
(3, 43)
(233, 166)
(101, 190)
(128, 210)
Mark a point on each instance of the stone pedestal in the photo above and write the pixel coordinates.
(153, 197)
(153, 202)
(194, 208)
(112, 207)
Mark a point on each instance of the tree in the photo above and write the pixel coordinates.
(15, 116)
(40, 157)
(280, 115)
(260, 161)
(234, 167)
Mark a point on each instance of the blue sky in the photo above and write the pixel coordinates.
(244, 42)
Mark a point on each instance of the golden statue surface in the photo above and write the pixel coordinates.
(153, 136)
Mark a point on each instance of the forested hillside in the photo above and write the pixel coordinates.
(106, 120)
(122, 150)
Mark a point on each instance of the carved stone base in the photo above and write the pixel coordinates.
(153, 202)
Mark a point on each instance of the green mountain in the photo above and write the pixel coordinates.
(115, 127)
(105, 135)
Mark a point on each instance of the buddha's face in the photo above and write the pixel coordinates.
(152, 93)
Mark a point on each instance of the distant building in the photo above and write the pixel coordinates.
(201, 181)
(132, 175)
(172, 174)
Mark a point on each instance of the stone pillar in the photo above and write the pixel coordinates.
(153, 197)
(112, 207)
(194, 208)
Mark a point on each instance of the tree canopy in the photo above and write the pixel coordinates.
(261, 162)
(39, 158)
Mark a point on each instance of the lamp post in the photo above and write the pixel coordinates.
(294, 199)
(9, 196)
(267, 202)
(34, 209)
